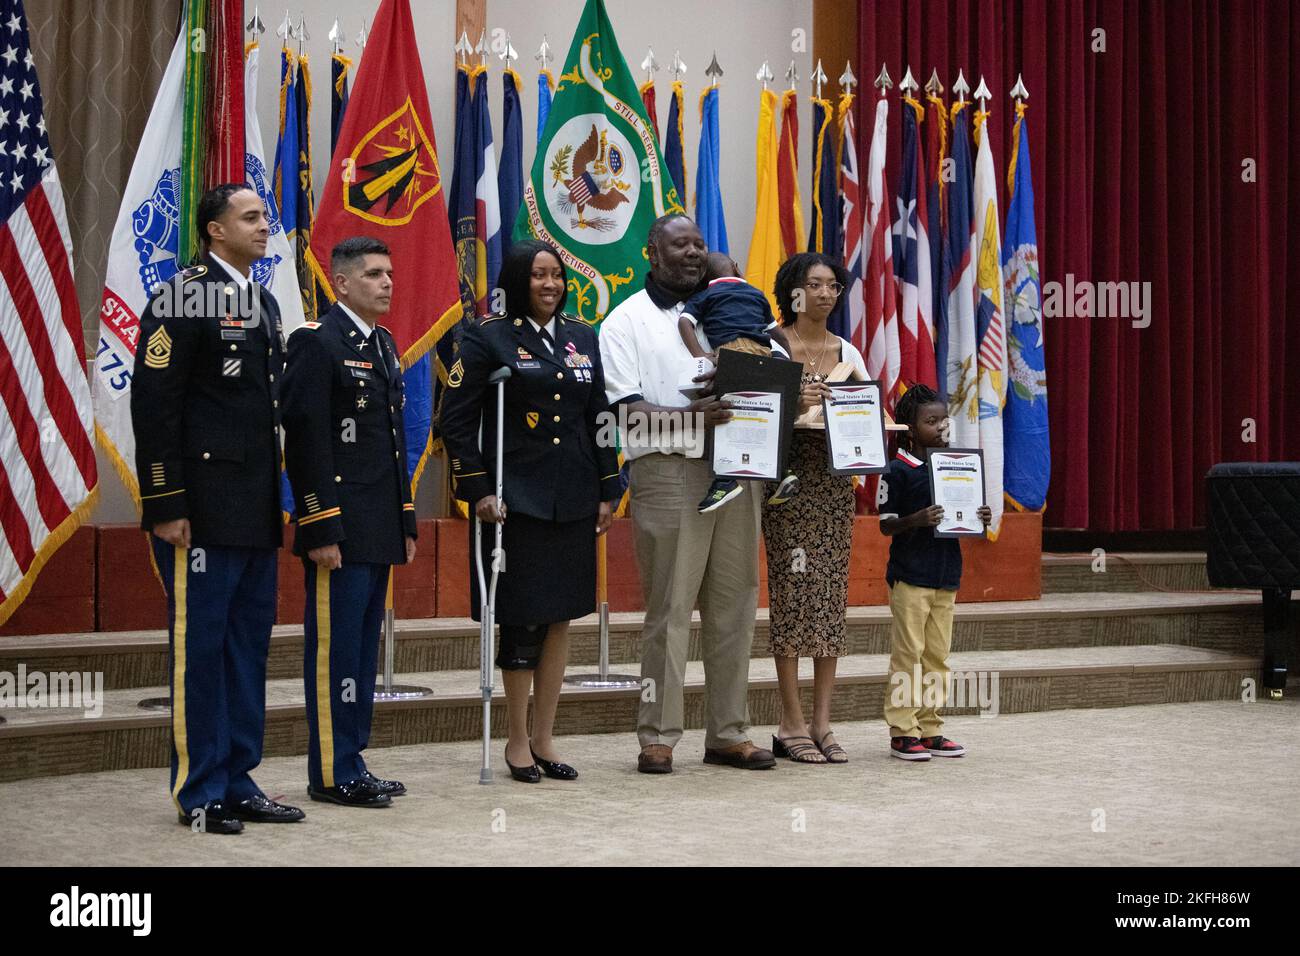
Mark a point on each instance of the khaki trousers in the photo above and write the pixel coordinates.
(685, 556)
(920, 638)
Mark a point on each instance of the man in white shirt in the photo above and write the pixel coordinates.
(684, 556)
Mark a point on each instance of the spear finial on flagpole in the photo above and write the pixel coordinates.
(463, 48)
(714, 69)
(285, 30)
(765, 74)
(818, 79)
(255, 26)
(933, 86)
(908, 85)
(983, 95)
(1018, 92)
(883, 82)
(508, 54)
(961, 87)
(543, 52)
(301, 34)
(336, 37)
(481, 48)
(363, 36)
(847, 79)
(792, 75)
(678, 67)
(650, 64)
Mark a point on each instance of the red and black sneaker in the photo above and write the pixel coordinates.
(908, 748)
(942, 747)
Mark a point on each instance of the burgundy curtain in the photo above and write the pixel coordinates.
(1138, 157)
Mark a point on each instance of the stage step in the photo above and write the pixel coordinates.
(1125, 572)
(47, 742)
(1222, 620)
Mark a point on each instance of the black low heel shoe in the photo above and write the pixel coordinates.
(555, 770)
(528, 774)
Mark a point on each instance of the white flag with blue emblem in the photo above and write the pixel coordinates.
(141, 256)
(276, 270)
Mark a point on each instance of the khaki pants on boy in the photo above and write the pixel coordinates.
(921, 635)
(684, 555)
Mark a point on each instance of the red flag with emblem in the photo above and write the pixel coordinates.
(384, 181)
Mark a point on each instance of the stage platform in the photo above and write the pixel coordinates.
(1069, 649)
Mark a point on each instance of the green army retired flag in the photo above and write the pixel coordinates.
(598, 180)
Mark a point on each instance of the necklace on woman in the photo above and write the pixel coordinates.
(813, 367)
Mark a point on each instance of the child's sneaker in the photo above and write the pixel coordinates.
(908, 748)
(943, 747)
(720, 492)
(786, 490)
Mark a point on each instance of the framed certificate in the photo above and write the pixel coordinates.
(957, 485)
(749, 445)
(855, 429)
(746, 374)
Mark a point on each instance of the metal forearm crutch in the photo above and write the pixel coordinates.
(488, 594)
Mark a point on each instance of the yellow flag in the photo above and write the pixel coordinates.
(765, 243)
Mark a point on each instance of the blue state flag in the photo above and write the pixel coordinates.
(825, 235)
(510, 177)
(1028, 464)
(675, 142)
(544, 96)
(285, 177)
(708, 190)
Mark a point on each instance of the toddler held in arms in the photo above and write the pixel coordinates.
(733, 315)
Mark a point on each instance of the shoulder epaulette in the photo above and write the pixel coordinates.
(491, 318)
(193, 272)
(310, 325)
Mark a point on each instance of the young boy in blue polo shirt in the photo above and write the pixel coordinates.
(923, 574)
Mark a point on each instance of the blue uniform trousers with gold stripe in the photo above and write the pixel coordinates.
(220, 608)
(344, 615)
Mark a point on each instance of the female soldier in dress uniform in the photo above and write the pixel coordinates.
(559, 484)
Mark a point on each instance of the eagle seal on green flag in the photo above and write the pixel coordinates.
(598, 180)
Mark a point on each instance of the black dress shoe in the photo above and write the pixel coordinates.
(261, 809)
(354, 793)
(529, 774)
(554, 769)
(212, 817)
(393, 788)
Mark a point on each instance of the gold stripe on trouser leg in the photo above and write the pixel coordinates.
(324, 691)
(180, 579)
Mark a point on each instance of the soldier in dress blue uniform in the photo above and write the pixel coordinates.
(345, 450)
(560, 484)
(205, 405)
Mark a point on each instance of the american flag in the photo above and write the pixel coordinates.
(48, 481)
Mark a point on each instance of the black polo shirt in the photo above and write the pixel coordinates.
(917, 557)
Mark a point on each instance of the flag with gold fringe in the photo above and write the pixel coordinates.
(598, 181)
(765, 249)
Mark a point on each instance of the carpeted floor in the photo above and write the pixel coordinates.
(1178, 784)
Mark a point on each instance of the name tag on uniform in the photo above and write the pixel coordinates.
(233, 335)
(523, 364)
